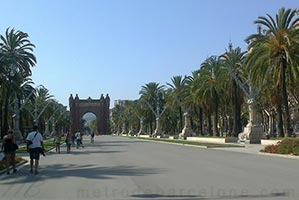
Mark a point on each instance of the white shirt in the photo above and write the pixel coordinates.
(78, 136)
(36, 141)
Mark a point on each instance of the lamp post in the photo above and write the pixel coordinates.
(253, 132)
(16, 115)
(16, 127)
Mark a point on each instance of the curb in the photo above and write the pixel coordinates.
(279, 155)
(19, 165)
(205, 147)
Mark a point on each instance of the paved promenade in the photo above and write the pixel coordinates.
(121, 168)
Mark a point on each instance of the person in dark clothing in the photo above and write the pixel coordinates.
(9, 148)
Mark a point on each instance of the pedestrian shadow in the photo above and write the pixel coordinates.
(60, 171)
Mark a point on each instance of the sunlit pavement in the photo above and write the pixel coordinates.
(121, 168)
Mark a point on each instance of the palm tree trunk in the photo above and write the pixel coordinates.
(151, 127)
(200, 118)
(280, 122)
(21, 117)
(210, 125)
(1, 127)
(215, 120)
(181, 118)
(214, 125)
(191, 122)
(285, 100)
(6, 102)
(237, 111)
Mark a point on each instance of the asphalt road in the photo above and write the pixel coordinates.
(121, 168)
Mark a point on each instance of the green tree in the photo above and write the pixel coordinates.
(151, 94)
(209, 83)
(274, 51)
(233, 60)
(16, 59)
(177, 88)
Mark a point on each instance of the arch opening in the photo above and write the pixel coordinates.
(89, 123)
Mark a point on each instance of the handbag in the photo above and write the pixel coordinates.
(29, 142)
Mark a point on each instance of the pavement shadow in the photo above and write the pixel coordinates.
(167, 197)
(60, 171)
(116, 143)
(198, 197)
(85, 152)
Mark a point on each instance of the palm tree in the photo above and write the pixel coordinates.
(17, 51)
(177, 89)
(136, 120)
(194, 101)
(233, 60)
(117, 118)
(42, 100)
(275, 52)
(151, 94)
(16, 58)
(22, 91)
(171, 116)
(209, 85)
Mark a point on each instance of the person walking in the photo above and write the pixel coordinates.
(92, 137)
(57, 140)
(35, 145)
(9, 148)
(79, 139)
(68, 142)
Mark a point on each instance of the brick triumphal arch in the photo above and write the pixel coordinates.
(99, 107)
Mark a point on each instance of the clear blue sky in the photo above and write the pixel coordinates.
(90, 47)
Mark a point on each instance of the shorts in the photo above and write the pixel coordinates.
(34, 153)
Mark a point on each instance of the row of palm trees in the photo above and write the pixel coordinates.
(19, 98)
(216, 95)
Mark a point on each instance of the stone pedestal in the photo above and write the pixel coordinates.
(187, 131)
(251, 135)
